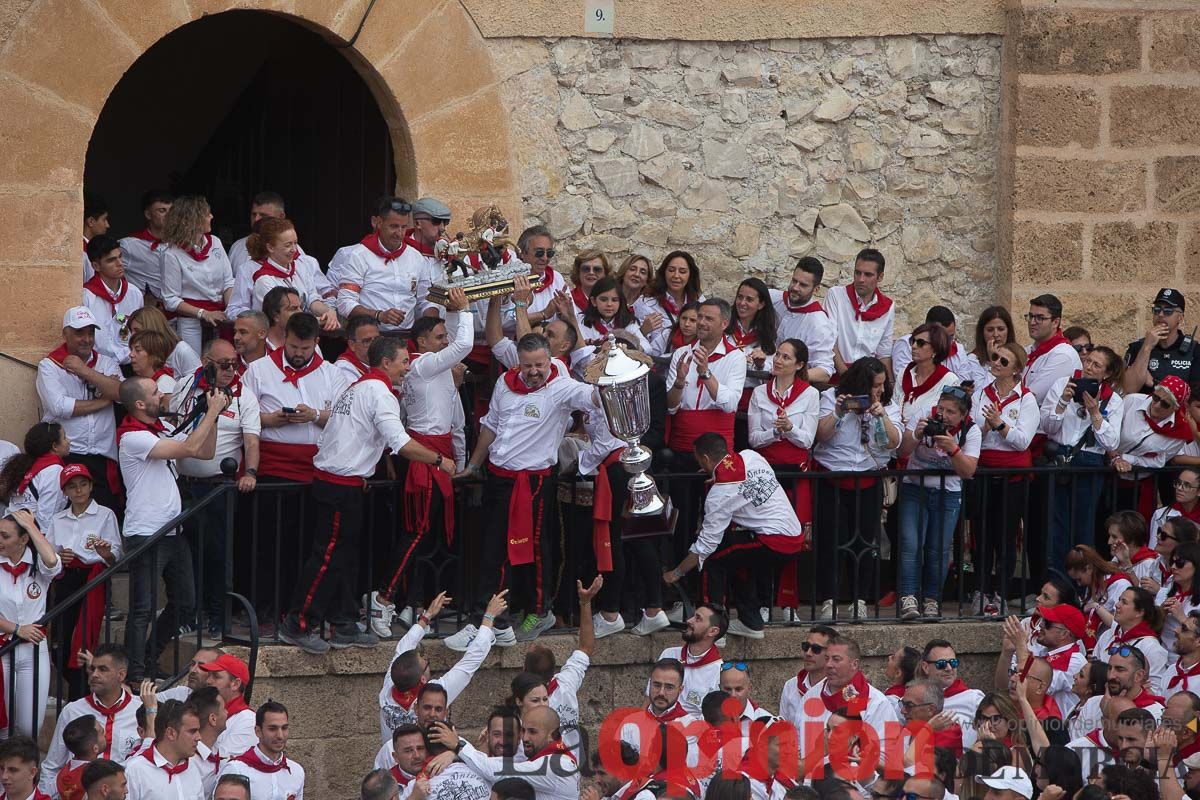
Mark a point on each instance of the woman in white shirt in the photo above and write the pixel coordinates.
(183, 359)
(676, 284)
(993, 328)
(197, 276)
(275, 251)
(1007, 415)
(589, 267)
(923, 379)
(1187, 502)
(929, 504)
(1153, 430)
(858, 430)
(633, 276)
(29, 480)
(1083, 429)
(148, 354)
(1181, 596)
(32, 564)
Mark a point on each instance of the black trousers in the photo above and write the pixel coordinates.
(530, 585)
(846, 530)
(998, 508)
(325, 589)
(740, 550)
(69, 582)
(286, 520)
(413, 577)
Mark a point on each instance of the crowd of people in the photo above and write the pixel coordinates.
(816, 427)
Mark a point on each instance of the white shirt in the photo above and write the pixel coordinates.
(1070, 426)
(143, 263)
(729, 370)
(318, 389)
(930, 457)
(581, 356)
(859, 338)
(601, 443)
(67, 531)
(455, 680)
(1156, 522)
(284, 784)
(803, 413)
(123, 733)
(970, 369)
(183, 359)
(845, 450)
(1021, 414)
(660, 340)
(307, 268)
(402, 283)
(456, 782)
(1140, 445)
(791, 695)
(43, 496)
(239, 419)
(205, 767)
(758, 503)
(431, 401)
(963, 706)
(147, 780)
(540, 302)
(698, 681)
(184, 277)
(153, 495)
(109, 339)
(301, 281)
(814, 328)
(7, 451)
(238, 736)
(564, 697)
(1151, 646)
(364, 420)
(1061, 361)
(878, 713)
(553, 777)
(23, 597)
(529, 427)
(90, 434)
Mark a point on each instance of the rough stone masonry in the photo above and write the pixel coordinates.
(752, 154)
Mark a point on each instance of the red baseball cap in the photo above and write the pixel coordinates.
(73, 471)
(231, 664)
(1068, 616)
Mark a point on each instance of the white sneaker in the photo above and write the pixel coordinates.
(931, 609)
(908, 607)
(462, 640)
(379, 614)
(859, 610)
(648, 625)
(407, 616)
(738, 628)
(764, 613)
(826, 612)
(675, 614)
(603, 627)
(505, 637)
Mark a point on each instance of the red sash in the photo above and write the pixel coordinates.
(410, 240)
(668, 304)
(1140, 631)
(1043, 347)
(670, 715)
(895, 690)
(845, 484)
(250, 758)
(292, 462)
(883, 304)
(1145, 700)
(69, 783)
(711, 655)
(522, 530)
(98, 287)
(109, 713)
(371, 242)
(547, 281)
(853, 696)
(171, 771)
(687, 425)
(401, 779)
(1048, 709)
(419, 483)
(743, 338)
(602, 514)
(91, 616)
(42, 462)
(678, 341)
(1061, 661)
(951, 739)
(512, 379)
(912, 392)
(161, 371)
(1174, 428)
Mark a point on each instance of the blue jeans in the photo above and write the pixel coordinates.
(1075, 509)
(927, 520)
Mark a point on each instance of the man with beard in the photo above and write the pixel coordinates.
(250, 336)
(802, 317)
(699, 655)
(153, 500)
(456, 782)
(814, 655)
(196, 677)
(1127, 676)
(939, 663)
(1185, 675)
(846, 687)
(270, 772)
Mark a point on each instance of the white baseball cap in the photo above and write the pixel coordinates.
(1013, 779)
(79, 317)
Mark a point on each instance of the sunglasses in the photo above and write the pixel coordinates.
(1179, 563)
(1003, 360)
(589, 268)
(740, 666)
(942, 663)
(1163, 311)
(1168, 537)
(1122, 650)
(1083, 348)
(544, 252)
(1158, 401)
(908, 705)
(920, 343)
(229, 363)
(402, 208)
(815, 649)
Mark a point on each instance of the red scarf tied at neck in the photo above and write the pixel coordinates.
(42, 462)
(291, 374)
(882, 305)
(853, 696)
(251, 759)
(912, 390)
(1043, 347)
(202, 253)
(98, 287)
(371, 242)
(131, 424)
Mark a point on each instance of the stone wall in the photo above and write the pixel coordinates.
(751, 154)
(1106, 168)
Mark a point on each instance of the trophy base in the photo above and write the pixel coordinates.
(478, 287)
(640, 525)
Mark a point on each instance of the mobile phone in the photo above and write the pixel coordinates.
(287, 410)
(1087, 386)
(857, 402)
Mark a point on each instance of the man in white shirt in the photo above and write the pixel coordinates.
(76, 388)
(230, 676)
(813, 649)
(364, 420)
(266, 204)
(153, 501)
(845, 689)
(360, 332)
(699, 656)
(109, 702)
(272, 776)
(939, 662)
(141, 252)
(250, 336)
(749, 523)
(863, 315)
(279, 305)
(801, 317)
(210, 708)
(95, 223)
(163, 770)
(519, 438)
(535, 247)
(110, 297)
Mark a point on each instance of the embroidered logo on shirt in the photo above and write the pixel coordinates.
(531, 410)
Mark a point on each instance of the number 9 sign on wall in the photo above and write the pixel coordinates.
(598, 17)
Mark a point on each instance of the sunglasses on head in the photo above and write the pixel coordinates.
(942, 663)
(544, 252)
(740, 666)
(1122, 650)
(815, 649)
(956, 391)
(400, 207)
(1004, 362)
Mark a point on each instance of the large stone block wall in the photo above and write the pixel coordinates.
(751, 154)
(1106, 161)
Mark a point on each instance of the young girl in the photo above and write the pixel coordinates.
(1127, 543)
(1102, 582)
(29, 564)
(31, 480)
(684, 333)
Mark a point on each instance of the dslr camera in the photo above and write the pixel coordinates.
(935, 426)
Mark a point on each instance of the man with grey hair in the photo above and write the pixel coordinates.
(924, 702)
(250, 336)
(535, 247)
(379, 785)
(519, 439)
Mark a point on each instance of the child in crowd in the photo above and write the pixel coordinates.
(83, 737)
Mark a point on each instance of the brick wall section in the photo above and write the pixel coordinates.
(1105, 204)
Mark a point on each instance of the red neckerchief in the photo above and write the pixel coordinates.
(555, 746)
(251, 759)
(270, 270)
(131, 424)
(1143, 554)
(202, 253)
(1048, 709)
(1145, 699)
(883, 304)
(110, 714)
(235, 386)
(406, 698)
(1193, 515)
(731, 469)
(1174, 428)
(98, 287)
(1185, 752)
(1043, 347)
(797, 388)
(410, 240)
(1106, 391)
(146, 236)
(958, 687)
(401, 777)
(670, 715)
(601, 328)
(801, 679)
(547, 281)
(349, 357)
(711, 655)
(371, 242)
(1016, 394)
(808, 308)
(677, 340)
(16, 570)
(1139, 631)
(59, 354)
(512, 379)
(1062, 659)
(743, 338)
(163, 370)
(854, 695)
(1098, 739)
(39, 464)
(171, 771)
(292, 375)
(912, 392)
(581, 300)
(1181, 676)
(236, 706)
(895, 690)
(668, 303)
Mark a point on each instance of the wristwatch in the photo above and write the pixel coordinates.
(703, 377)
(252, 472)
(440, 458)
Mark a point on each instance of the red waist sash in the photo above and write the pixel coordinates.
(522, 527)
(419, 483)
(292, 462)
(687, 425)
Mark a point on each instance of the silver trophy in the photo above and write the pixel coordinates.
(625, 395)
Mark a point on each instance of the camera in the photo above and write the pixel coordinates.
(1086, 386)
(856, 402)
(935, 426)
(210, 378)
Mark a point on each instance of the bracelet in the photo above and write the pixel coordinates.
(489, 617)
(521, 303)
(150, 711)
(424, 620)
(438, 463)
(957, 450)
(252, 472)
(678, 574)
(378, 314)
(703, 377)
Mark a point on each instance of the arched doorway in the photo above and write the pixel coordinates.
(237, 102)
